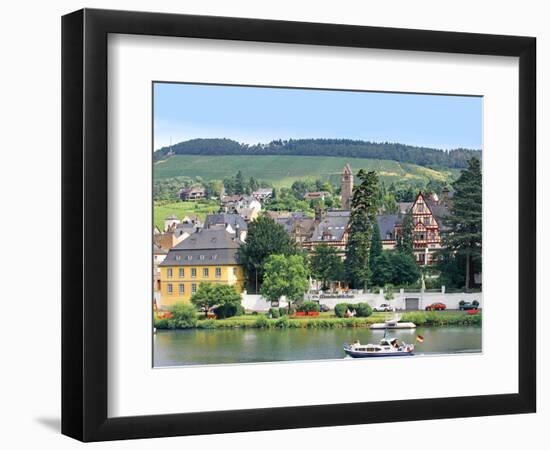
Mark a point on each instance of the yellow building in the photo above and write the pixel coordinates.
(207, 256)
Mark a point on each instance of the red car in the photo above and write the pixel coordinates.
(436, 307)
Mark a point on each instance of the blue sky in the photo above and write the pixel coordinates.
(252, 115)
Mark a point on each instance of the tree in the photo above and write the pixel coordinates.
(228, 301)
(375, 245)
(204, 297)
(285, 275)
(253, 184)
(405, 241)
(265, 237)
(463, 236)
(396, 268)
(363, 216)
(223, 296)
(214, 188)
(405, 269)
(240, 187)
(382, 270)
(326, 265)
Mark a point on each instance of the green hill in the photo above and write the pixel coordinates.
(284, 170)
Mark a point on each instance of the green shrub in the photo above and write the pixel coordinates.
(309, 307)
(340, 309)
(274, 313)
(184, 316)
(362, 309)
(262, 322)
(283, 311)
(282, 322)
(228, 310)
(475, 303)
(165, 324)
(207, 324)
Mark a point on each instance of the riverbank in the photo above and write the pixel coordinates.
(326, 320)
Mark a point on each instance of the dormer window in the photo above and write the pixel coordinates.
(178, 257)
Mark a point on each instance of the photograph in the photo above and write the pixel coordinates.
(294, 224)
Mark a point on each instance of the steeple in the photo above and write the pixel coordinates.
(346, 186)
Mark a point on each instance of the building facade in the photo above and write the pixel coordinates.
(192, 193)
(207, 256)
(332, 227)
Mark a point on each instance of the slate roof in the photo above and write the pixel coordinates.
(439, 211)
(225, 219)
(386, 223)
(404, 206)
(332, 227)
(214, 246)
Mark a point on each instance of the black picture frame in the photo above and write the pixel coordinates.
(84, 224)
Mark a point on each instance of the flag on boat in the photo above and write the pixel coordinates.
(420, 338)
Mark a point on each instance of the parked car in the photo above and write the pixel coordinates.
(324, 308)
(467, 306)
(436, 307)
(384, 307)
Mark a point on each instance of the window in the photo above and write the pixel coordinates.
(181, 288)
(170, 288)
(178, 257)
(182, 273)
(234, 271)
(205, 273)
(218, 272)
(193, 288)
(193, 273)
(169, 273)
(202, 257)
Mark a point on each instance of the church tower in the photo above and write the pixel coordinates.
(346, 185)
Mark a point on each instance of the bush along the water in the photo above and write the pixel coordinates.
(207, 324)
(361, 309)
(441, 318)
(274, 313)
(228, 310)
(308, 307)
(183, 316)
(340, 309)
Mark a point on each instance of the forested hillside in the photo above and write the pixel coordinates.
(423, 156)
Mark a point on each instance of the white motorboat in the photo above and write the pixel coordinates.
(393, 324)
(386, 347)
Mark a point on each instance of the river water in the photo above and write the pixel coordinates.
(228, 346)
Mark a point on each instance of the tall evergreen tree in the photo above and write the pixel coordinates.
(405, 244)
(375, 245)
(463, 237)
(363, 216)
(240, 187)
